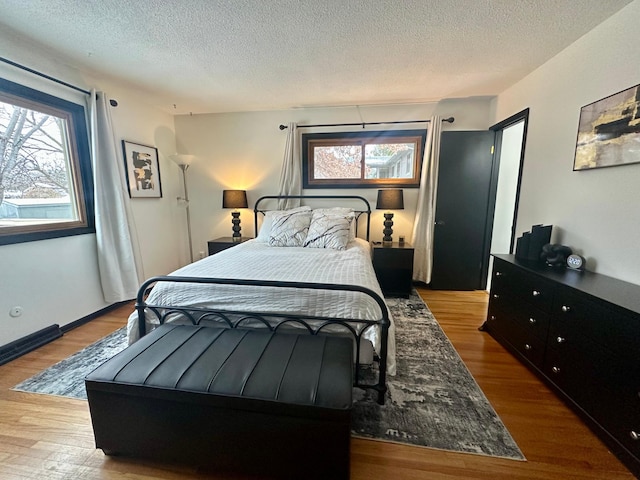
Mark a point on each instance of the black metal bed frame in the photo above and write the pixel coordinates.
(358, 213)
(313, 325)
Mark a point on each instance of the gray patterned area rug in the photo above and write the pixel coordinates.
(433, 401)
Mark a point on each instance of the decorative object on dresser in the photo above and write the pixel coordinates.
(555, 255)
(580, 332)
(235, 199)
(529, 245)
(576, 262)
(391, 199)
(222, 243)
(394, 268)
(184, 161)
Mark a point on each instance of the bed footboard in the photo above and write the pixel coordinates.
(314, 325)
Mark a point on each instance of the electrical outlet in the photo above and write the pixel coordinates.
(201, 254)
(15, 311)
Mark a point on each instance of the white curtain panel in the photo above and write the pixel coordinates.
(423, 225)
(291, 174)
(115, 240)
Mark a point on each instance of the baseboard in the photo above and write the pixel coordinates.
(70, 326)
(26, 344)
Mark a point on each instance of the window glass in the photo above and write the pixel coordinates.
(45, 173)
(361, 159)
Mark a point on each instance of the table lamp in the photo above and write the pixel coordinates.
(235, 199)
(391, 199)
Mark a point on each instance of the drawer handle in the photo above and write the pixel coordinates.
(527, 346)
(532, 321)
(493, 317)
(536, 293)
(495, 295)
(634, 435)
(499, 274)
(566, 308)
(555, 369)
(561, 339)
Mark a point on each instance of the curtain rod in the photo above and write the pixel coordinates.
(448, 120)
(48, 77)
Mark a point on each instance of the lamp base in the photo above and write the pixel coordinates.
(388, 223)
(236, 226)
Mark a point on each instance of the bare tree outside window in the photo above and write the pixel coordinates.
(45, 167)
(33, 163)
(34, 167)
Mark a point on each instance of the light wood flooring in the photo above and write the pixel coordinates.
(45, 437)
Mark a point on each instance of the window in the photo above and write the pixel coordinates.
(362, 159)
(46, 186)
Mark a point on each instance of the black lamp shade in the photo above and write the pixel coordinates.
(391, 199)
(234, 199)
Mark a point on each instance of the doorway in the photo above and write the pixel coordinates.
(509, 158)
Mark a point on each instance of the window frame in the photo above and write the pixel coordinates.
(311, 140)
(80, 163)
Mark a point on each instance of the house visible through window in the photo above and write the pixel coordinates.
(46, 189)
(361, 159)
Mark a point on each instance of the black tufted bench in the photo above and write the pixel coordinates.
(247, 401)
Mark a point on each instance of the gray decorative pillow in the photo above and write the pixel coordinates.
(343, 211)
(265, 228)
(289, 228)
(329, 230)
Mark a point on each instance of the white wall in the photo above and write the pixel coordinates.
(56, 281)
(245, 150)
(596, 212)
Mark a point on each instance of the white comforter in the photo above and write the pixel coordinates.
(253, 260)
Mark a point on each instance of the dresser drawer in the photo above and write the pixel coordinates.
(529, 287)
(500, 322)
(611, 328)
(605, 389)
(527, 318)
(622, 400)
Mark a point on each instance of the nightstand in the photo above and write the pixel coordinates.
(394, 268)
(222, 243)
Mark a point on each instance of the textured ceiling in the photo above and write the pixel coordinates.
(245, 55)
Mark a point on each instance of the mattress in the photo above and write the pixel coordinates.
(255, 260)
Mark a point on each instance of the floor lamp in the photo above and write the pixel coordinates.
(183, 161)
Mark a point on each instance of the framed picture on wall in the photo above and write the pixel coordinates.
(609, 131)
(143, 170)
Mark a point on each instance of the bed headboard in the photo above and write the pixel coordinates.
(360, 205)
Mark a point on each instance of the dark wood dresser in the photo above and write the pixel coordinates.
(580, 331)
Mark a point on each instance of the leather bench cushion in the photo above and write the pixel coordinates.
(246, 369)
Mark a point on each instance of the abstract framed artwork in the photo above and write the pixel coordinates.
(609, 131)
(143, 170)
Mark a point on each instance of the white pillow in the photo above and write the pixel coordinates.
(289, 228)
(267, 221)
(329, 230)
(346, 211)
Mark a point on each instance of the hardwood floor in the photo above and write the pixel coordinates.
(44, 437)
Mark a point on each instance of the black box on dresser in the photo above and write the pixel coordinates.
(579, 331)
